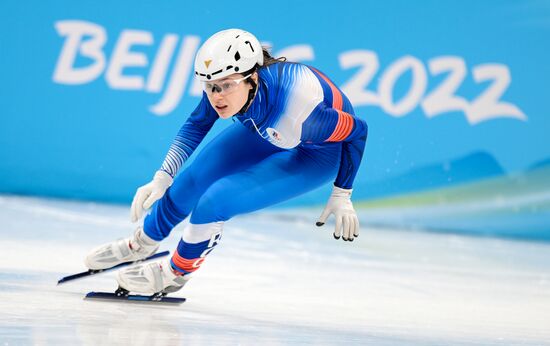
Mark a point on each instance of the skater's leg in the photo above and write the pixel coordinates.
(235, 149)
(277, 178)
(197, 242)
(170, 275)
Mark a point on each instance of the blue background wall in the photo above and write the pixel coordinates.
(454, 92)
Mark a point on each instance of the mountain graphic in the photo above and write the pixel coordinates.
(540, 164)
(513, 205)
(471, 167)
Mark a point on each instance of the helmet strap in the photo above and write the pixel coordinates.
(251, 95)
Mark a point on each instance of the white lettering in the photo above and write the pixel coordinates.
(443, 99)
(215, 239)
(356, 87)
(75, 32)
(82, 60)
(161, 63)
(122, 57)
(198, 262)
(415, 93)
(487, 106)
(179, 78)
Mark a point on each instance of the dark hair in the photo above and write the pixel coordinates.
(269, 59)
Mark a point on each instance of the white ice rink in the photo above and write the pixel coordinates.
(275, 279)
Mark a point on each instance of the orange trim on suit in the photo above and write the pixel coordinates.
(186, 264)
(343, 127)
(345, 120)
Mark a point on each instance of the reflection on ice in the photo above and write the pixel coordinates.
(274, 279)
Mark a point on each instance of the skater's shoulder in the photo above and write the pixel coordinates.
(286, 75)
(281, 69)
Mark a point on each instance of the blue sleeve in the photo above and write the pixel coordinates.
(326, 124)
(190, 136)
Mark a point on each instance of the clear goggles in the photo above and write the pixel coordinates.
(223, 87)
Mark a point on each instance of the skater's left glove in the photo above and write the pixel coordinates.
(339, 204)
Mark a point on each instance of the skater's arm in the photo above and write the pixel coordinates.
(189, 136)
(327, 124)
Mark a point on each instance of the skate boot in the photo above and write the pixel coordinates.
(151, 278)
(134, 248)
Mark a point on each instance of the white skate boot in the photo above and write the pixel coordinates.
(134, 248)
(151, 278)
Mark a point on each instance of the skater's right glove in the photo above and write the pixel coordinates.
(149, 194)
(339, 204)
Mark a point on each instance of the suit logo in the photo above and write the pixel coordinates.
(274, 135)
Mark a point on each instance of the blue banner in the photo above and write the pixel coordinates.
(455, 94)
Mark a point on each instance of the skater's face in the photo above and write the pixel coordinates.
(228, 95)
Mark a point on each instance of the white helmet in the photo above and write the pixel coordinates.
(227, 52)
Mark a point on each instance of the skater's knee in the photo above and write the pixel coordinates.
(165, 215)
(207, 210)
(214, 205)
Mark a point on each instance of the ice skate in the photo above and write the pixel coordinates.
(134, 248)
(151, 278)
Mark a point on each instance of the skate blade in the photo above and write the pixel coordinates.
(134, 298)
(91, 272)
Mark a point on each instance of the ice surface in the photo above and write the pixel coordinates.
(275, 279)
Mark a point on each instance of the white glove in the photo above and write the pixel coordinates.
(149, 194)
(340, 205)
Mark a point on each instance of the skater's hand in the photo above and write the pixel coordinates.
(149, 194)
(339, 204)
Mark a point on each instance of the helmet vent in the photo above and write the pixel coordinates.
(228, 48)
(237, 56)
(228, 67)
(250, 44)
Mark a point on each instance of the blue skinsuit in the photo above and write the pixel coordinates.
(299, 132)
